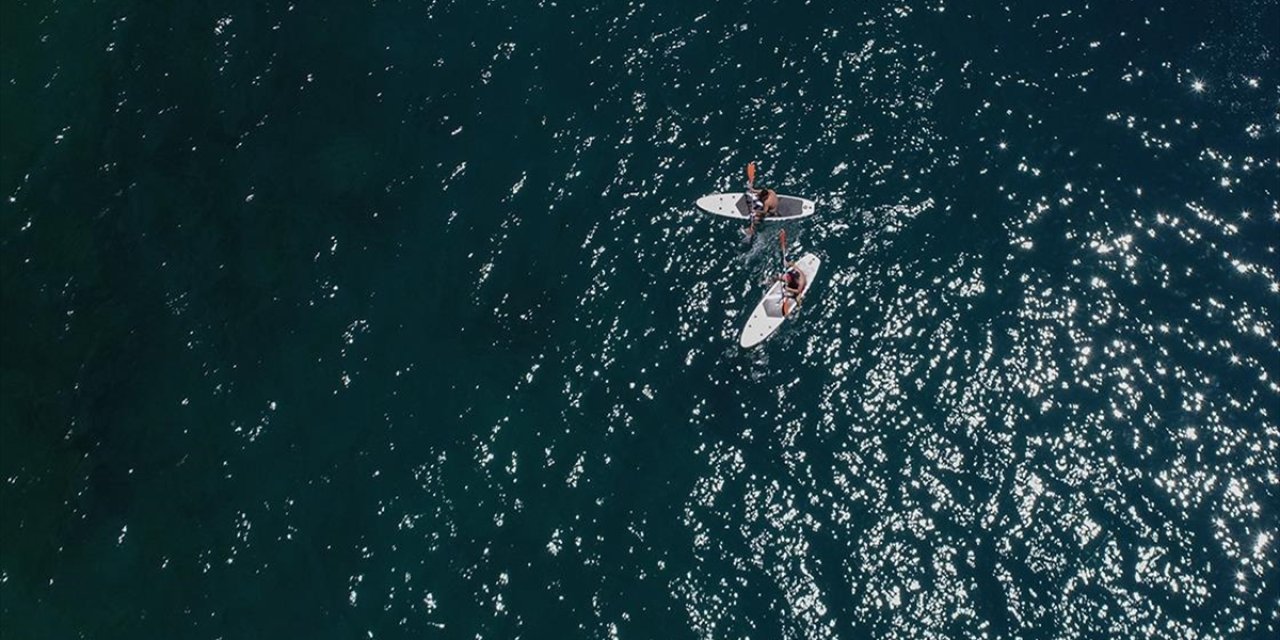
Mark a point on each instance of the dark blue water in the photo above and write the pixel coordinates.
(396, 319)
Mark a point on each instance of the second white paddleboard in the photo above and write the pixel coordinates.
(768, 316)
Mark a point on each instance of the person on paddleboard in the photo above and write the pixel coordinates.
(793, 283)
(764, 201)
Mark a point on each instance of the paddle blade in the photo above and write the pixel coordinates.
(751, 172)
(782, 240)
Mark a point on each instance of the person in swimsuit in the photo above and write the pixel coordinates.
(764, 203)
(793, 283)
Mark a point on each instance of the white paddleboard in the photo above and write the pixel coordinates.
(735, 205)
(768, 314)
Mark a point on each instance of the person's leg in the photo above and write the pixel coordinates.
(751, 229)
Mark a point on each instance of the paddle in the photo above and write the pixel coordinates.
(751, 174)
(750, 233)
